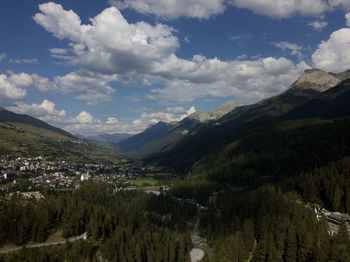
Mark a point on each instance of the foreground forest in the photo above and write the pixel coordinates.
(265, 224)
(255, 192)
(130, 226)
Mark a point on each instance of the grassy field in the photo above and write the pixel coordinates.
(145, 181)
(55, 237)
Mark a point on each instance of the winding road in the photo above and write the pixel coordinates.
(38, 245)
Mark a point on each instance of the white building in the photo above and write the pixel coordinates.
(85, 176)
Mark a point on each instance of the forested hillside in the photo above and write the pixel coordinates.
(277, 151)
(294, 104)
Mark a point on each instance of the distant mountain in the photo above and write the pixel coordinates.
(166, 140)
(106, 138)
(167, 136)
(23, 135)
(310, 96)
(136, 142)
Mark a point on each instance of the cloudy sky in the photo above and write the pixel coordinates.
(107, 66)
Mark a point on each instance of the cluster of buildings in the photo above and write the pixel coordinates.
(28, 195)
(41, 172)
(53, 180)
(334, 219)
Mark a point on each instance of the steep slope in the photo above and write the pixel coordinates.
(168, 139)
(312, 135)
(22, 135)
(211, 137)
(277, 151)
(10, 117)
(134, 143)
(334, 103)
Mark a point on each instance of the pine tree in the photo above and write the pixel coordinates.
(290, 252)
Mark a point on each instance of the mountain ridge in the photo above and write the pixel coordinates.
(135, 142)
(173, 135)
(9, 116)
(26, 136)
(208, 138)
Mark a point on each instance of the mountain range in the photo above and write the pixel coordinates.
(316, 94)
(106, 138)
(180, 145)
(164, 136)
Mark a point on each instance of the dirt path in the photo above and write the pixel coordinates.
(251, 253)
(199, 242)
(37, 245)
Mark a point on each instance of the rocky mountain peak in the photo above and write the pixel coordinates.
(201, 116)
(317, 79)
(213, 115)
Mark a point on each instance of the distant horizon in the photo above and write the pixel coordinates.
(120, 66)
(190, 112)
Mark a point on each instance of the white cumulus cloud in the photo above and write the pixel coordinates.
(245, 80)
(109, 44)
(347, 17)
(85, 118)
(334, 54)
(84, 85)
(87, 86)
(38, 110)
(112, 49)
(13, 87)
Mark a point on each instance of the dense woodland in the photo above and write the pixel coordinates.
(327, 185)
(265, 224)
(274, 152)
(270, 225)
(130, 226)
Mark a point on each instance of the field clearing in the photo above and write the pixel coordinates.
(55, 237)
(144, 181)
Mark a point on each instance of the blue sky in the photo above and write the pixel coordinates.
(118, 66)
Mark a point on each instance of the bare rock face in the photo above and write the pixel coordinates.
(214, 115)
(318, 80)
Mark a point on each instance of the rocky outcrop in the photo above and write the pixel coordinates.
(317, 79)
